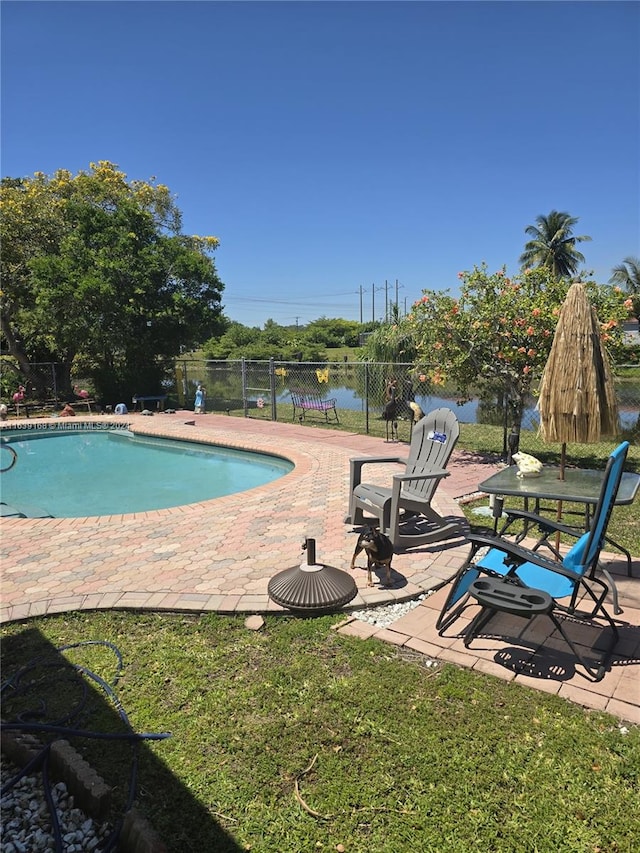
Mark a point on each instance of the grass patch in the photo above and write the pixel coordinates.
(408, 758)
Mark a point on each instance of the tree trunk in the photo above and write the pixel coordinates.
(34, 382)
(63, 374)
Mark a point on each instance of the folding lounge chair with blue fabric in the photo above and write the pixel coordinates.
(502, 576)
(403, 511)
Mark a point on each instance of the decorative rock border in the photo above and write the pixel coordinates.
(88, 792)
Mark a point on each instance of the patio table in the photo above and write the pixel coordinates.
(580, 485)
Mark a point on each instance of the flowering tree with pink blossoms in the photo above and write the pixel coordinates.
(496, 335)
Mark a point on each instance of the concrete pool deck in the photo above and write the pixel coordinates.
(219, 555)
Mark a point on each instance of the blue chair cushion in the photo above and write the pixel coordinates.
(533, 576)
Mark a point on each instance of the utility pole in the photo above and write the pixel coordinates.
(398, 286)
(373, 301)
(386, 301)
(361, 292)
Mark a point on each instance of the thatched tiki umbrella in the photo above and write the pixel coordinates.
(577, 400)
(577, 395)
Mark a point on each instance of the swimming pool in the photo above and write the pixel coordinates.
(78, 473)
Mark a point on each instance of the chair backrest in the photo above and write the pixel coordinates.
(585, 553)
(432, 442)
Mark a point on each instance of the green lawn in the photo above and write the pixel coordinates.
(296, 739)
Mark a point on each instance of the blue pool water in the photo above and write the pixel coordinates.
(73, 474)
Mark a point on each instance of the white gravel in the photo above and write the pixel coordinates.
(26, 825)
(386, 614)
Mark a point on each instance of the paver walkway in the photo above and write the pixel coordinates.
(220, 555)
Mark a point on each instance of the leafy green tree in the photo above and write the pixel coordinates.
(98, 277)
(333, 332)
(553, 245)
(274, 341)
(234, 339)
(627, 276)
(391, 342)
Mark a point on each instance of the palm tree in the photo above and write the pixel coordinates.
(627, 276)
(553, 245)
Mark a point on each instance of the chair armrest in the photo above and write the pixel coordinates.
(437, 473)
(540, 526)
(357, 463)
(364, 459)
(547, 525)
(398, 479)
(517, 555)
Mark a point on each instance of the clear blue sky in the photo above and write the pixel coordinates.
(334, 145)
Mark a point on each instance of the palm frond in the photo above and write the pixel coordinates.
(627, 275)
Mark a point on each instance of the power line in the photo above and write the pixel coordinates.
(313, 304)
(314, 297)
(230, 298)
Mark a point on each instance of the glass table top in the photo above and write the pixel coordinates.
(580, 485)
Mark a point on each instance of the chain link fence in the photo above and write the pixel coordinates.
(11, 378)
(349, 395)
(359, 391)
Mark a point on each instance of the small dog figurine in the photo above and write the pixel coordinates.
(379, 552)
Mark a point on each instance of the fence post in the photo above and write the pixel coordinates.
(514, 443)
(366, 397)
(272, 389)
(505, 420)
(55, 381)
(185, 384)
(243, 365)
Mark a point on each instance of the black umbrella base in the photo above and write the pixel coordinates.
(312, 588)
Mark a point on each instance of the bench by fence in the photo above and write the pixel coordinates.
(140, 401)
(310, 401)
(78, 404)
(20, 410)
(42, 408)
